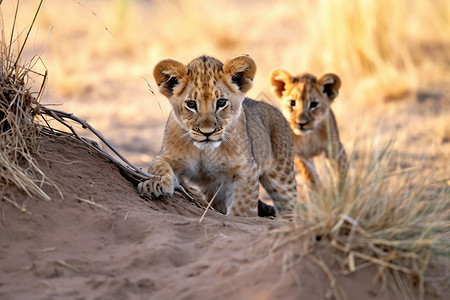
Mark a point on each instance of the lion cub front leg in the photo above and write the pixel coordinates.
(307, 169)
(245, 202)
(164, 181)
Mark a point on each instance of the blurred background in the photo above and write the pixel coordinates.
(393, 58)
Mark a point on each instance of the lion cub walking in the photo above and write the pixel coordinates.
(221, 141)
(305, 102)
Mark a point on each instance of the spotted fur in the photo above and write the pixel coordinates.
(305, 102)
(221, 141)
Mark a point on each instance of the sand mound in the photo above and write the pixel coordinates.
(102, 241)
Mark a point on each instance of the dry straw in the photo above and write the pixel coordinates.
(18, 107)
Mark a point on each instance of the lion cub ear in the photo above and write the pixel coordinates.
(242, 70)
(331, 84)
(278, 81)
(168, 74)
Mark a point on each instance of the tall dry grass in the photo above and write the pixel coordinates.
(18, 108)
(367, 38)
(371, 44)
(380, 47)
(380, 50)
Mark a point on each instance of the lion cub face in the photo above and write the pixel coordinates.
(206, 95)
(305, 99)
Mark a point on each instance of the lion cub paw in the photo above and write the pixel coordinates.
(156, 187)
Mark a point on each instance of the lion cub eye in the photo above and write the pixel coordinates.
(292, 103)
(191, 104)
(313, 104)
(221, 103)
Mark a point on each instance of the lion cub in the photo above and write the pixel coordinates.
(305, 102)
(219, 140)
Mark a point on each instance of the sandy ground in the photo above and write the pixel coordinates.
(126, 247)
(97, 239)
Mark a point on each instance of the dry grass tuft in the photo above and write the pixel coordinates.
(393, 219)
(18, 132)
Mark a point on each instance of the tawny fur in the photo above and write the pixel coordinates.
(305, 102)
(220, 141)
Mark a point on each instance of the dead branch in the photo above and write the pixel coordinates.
(130, 169)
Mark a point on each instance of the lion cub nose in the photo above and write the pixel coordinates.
(207, 131)
(303, 124)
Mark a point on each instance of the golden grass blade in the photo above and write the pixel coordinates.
(209, 204)
(8, 53)
(29, 31)
(91, 202)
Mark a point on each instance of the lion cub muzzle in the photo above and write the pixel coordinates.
(210, 140)
(304, 124)
(207, 133)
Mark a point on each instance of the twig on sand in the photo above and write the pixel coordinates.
(210, 202)
(374, 260)
(91, 202)
(66, 265)
(22, 208)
